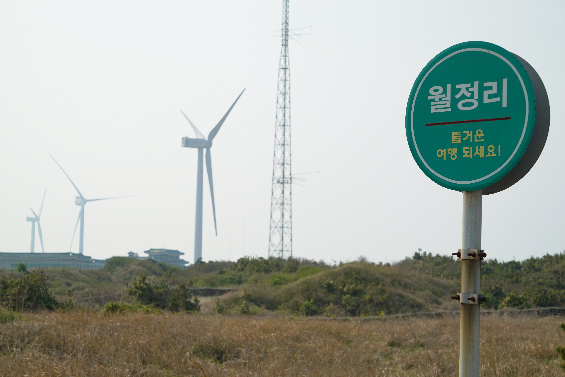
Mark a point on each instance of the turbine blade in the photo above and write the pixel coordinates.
(210, 180)
(41, 208)
(72, 239)
(76, 188)
(113, 197)
(215, 130)
(196, 131)
(40, 235)
(34, 214)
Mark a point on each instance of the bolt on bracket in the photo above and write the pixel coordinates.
(469, 298)
(470, 254)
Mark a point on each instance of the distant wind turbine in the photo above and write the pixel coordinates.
(202, 143)
(35, 219)
(80, 201)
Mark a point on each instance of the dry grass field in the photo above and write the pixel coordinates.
(87, 343)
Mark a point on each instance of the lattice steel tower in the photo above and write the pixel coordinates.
(280, 234)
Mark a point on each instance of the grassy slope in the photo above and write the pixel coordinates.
(422, 283)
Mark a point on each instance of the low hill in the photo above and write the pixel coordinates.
(422, 283)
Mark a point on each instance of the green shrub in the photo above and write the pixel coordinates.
(515, 300)
(219, 307)
(181, 299)
(494, 295)
(329, 285)
(543, 297)
(245, 295)
(21, 268)
(118, 308)
(122, 308)
(68, 304)
(291, 266)
(7, 315)
(244, 308)
(161, 294)
(279, 279)
(308, 308)
(230, 278)
(304, 271)
(147, 291)
(31, 292)
(330, 310)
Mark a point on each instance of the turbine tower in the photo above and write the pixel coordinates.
(201, 143)
(280, 233)
(80, 201)
(33, 220)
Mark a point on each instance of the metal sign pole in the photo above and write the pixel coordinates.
(478, 145)
(469, 297)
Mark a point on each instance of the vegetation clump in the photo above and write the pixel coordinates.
(22, 268)
(7, 315)
(123, 308)
(161, 294)
(29, 292)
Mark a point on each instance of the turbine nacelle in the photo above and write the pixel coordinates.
(35, 221)
(81, 201)
(188, 142)
(201, 143)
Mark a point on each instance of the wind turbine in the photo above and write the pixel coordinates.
(33, 220)
(80, 201)
(202, 143)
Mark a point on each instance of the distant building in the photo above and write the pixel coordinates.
(49, 260)
(171, 257)
(131, 254)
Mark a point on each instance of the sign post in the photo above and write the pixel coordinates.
(476, 121)
(470, 284)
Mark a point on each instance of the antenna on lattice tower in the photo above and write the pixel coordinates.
(295, 35)
(280, 230)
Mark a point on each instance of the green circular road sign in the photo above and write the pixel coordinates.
(477, 118)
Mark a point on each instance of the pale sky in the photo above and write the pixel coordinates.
(99, 85)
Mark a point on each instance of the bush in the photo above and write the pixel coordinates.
(244, 308)
(30, 292)
(160, 294)
(514, 300)
(308, 308)
(122, 308)
(279, 279)
(218, 306)
(21, 268)
(7, 315)
(149, 291)
(543, 297)
(181, 299)
(494, 295)
(69, 304)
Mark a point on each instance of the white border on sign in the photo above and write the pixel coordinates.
(523, 131)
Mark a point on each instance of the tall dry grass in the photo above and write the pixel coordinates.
(91, 344)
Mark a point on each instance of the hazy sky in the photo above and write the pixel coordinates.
(99, 85)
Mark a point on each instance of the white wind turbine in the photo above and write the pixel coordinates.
(35, 219)
(80, 201)
(200, 143)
